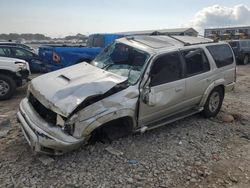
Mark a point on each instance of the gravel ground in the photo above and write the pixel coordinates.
(193, 152)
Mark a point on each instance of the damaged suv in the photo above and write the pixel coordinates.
(136, 84)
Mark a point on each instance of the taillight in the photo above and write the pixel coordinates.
(56, 57)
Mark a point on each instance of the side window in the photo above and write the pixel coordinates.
(167, 68)
(222, 54)
(196, 61)
(4, 51)
(244, 44)
(22, 53)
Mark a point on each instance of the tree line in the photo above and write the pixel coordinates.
(30, 36)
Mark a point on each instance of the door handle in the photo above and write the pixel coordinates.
(178, 89)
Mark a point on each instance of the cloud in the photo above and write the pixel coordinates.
(221, 16)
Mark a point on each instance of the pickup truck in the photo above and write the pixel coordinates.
(57, 57)
(241, 49)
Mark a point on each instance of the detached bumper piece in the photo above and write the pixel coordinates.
(42, 136)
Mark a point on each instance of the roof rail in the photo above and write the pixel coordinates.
(188, 44)
(185, 43)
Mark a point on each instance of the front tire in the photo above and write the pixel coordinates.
(213, 103)
(7, 87)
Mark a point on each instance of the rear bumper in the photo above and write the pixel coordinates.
(41, 136)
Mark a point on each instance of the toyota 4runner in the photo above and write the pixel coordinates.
(134, 85)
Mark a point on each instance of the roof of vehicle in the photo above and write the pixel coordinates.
(162, 42)
(12, 46)
(8, 43)
(11, 43)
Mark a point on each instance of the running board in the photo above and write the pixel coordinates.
(168, 120)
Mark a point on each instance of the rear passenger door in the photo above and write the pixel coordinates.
(197, 73)
(166, 89)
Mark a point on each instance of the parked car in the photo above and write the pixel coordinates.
(135, 84)
(241, 50)
(35, 62)
(58, 57)
(13, 73)
(20, 45)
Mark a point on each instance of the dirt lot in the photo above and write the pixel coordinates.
(193, 152)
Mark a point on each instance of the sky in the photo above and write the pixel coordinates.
(57, 18)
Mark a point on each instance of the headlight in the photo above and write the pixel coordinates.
(21, 65)
(67, 127)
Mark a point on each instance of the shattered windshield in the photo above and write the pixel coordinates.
(123, 60)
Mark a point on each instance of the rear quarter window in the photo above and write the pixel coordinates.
(222, 54)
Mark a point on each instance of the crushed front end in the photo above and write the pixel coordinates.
(40, 130)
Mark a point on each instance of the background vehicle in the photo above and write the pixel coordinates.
(241, 50)
(57, 57)
(26, 47)
(135, 84)
(13, 73)
(35, 62)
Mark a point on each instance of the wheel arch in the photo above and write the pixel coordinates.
(125, 115)
(7, 72)
(211, 87)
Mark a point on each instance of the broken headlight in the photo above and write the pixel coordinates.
(67, 126)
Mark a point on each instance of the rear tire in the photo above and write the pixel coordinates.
(246, 60)
(7, 87)
(213, 103)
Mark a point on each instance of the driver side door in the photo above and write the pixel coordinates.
(164, 94)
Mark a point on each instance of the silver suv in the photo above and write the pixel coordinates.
(135, 84)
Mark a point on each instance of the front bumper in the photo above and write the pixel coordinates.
(42, 136)
(24, 73)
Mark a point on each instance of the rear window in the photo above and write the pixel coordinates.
(222, 54)
(196, 61)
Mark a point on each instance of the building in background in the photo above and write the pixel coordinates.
(177, 31)
(228, 33)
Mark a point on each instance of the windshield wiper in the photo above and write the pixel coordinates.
(108, 65)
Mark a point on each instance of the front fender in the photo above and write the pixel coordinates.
(209, 89)
(85, 128)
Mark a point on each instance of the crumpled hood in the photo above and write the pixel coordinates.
(62, 91)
